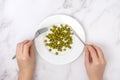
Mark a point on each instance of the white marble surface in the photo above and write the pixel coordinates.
(19, 20)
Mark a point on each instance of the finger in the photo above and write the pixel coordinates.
(26, 51)
(20, 48)
(86, 56)
(99, 52)
(32, 51)
(22, 45)
(92, 53)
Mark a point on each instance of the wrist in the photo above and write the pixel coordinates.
(25, 76)
(96, 78)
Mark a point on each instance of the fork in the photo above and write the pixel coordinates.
(40, 31)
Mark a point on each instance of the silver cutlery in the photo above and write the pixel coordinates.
(40, 31)
(77, 36)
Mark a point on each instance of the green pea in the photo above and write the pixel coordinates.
(50, 49)
(56, 53)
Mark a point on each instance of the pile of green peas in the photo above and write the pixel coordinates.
(59, 38)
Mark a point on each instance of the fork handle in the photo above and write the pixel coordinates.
(14, 57)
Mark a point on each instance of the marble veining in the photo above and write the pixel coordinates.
(19, 20)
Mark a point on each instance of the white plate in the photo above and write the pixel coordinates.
(69, 55)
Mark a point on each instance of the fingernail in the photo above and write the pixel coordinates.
(86, 45)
